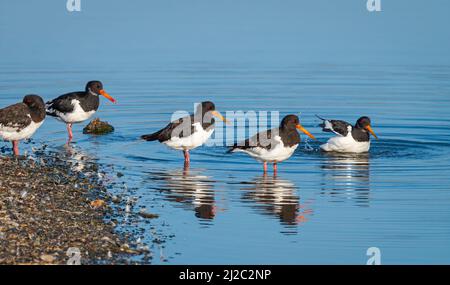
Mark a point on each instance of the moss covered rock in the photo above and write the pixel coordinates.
(97, 127)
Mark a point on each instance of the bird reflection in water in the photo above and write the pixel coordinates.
(189, 189)
(276, 197)
(347, 176)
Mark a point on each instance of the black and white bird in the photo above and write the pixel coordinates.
(275, 145)
(20, 121)
(188, 132)
(76, 107)
(349, 139)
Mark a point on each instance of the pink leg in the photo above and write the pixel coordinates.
(187, 158)
(186, 169)
(69, 130)
(265, 167)
(16, 147)
(275, 168)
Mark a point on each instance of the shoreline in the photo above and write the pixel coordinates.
(53, 211)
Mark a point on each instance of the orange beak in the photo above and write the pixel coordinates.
(107, 96)
(301, 128)
(369, 128)
(218, 115)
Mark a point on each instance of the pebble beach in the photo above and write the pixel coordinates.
(50, 213)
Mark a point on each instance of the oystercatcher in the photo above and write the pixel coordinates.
(76, 107)
(275, 145)
(349, 139)
(20, 121)
(188, 132)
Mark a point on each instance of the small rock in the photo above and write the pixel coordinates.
(147, 215)
(116, 199)
(48, 258)
(97, 127)
(97, 203)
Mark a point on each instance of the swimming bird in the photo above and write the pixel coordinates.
(189, 132)
(349, 139)
(275, 145)
(20, 121)
(76, 107)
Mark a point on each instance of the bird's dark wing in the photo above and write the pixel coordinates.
(339, 127)
(179, 128)
(62, 104)
(335, 126)
(262, 139)
(15, 116)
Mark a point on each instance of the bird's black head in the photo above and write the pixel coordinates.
(94, 87)
(206, 107)
(206, 111)
(34, 101)
(290, 122)
(363, 122)
(36, 106)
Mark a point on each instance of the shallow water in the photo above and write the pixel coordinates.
(319, 209)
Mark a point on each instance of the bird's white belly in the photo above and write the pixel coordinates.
(11, 134)
(345, 144)
(78, 115)
(276, 154)
(199, 137)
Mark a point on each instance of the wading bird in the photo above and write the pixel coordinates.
(188, 132)
(76, 107)
(20, 121)
(275, 145)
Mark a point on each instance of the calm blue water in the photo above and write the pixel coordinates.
(320, 209)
